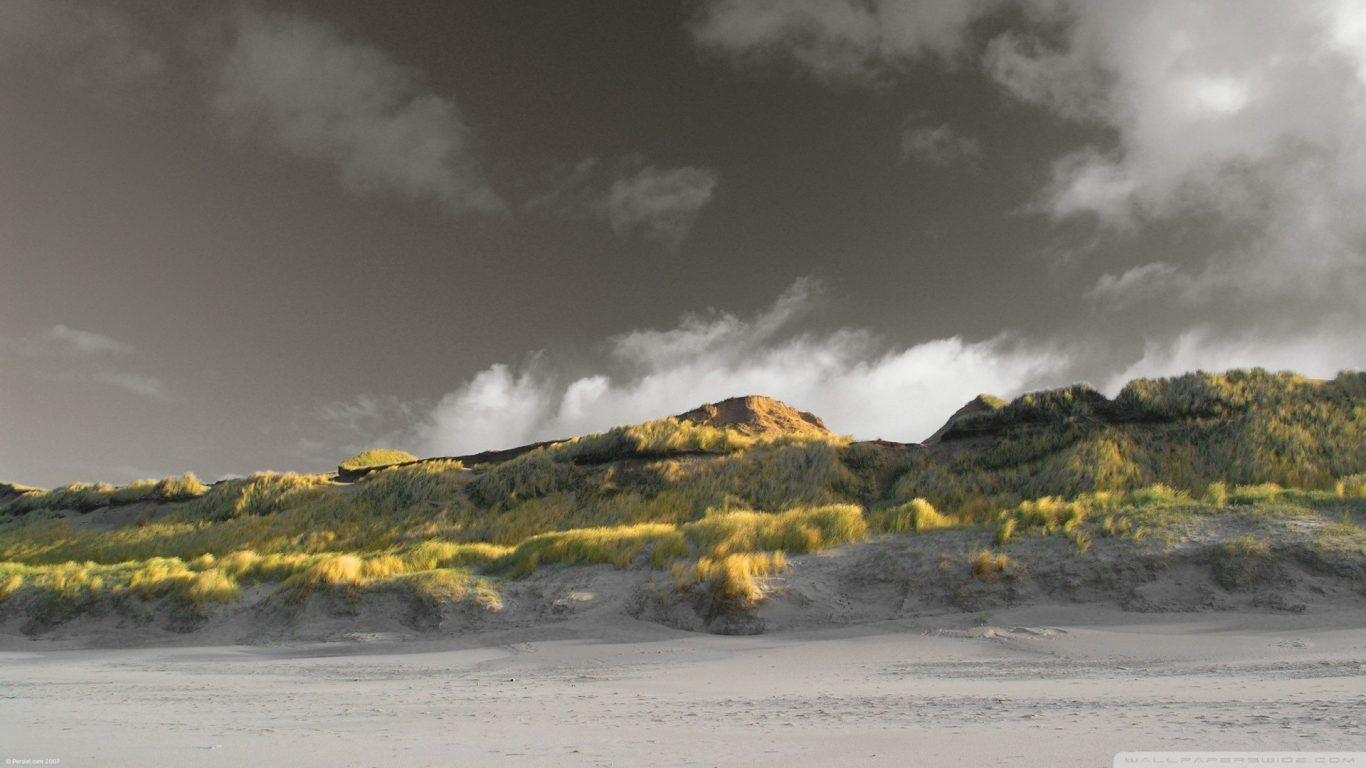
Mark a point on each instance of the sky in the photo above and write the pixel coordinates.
(266, 236)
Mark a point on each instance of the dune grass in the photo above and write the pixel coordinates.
(732, 582)
(915, 516)
(1163, 456)
(375, 457)
(989, 567)
(206, 578)
(1243, 428)
(1242, 563)
(90, 496)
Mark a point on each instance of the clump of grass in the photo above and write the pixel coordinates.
(434, 554)
(1351, 487)
(1157, 495)
(261, 494)
(1242, 563)
(1113, 527)
(1005, 531)
(916, 515)
(84, 497)
(617, 546)
(732, 582)
(1216, 494)
(11, 586)
(988, 567)
(446, 586)
(375, 457)
(796, 530)
(1253, 494)
(714, 537)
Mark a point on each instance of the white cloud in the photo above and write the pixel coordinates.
(837, 39)
(64, 341)
(938, 145)
(134, 383)
(1247, 113)
(80, 342)
(1119, 291)
(659, 205)
(301, 86)
(848, 377)
(91, 48)
(364, 414)
(1252, 112)
(496, 409)
(1321, 352)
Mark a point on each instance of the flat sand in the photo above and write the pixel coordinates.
(1064, 686)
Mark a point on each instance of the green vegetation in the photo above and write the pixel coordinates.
(85, 497)
(1241, 428)
(915, 516)
(988, 566)
(1243, 562)
(721, 509)
(375, 457)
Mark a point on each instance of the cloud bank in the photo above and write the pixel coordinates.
(1250, 113)
(302, 87)
(849, 377)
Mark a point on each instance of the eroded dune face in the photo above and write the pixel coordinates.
(1234, 492)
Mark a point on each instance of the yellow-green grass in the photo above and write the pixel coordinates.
(1243, 428)
(207, 578)
(88, 496)
(1243, 562)
(671, 437)
(376, 457)
(1163, 457)
(915, 516)
(987, 566)
(799, 530)
(1136, 514)
(733, 581)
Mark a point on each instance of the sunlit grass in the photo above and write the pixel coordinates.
(987, 566)
(89, 496)
(723, 508)
(375, 457)
(916, 515)
(733, 581)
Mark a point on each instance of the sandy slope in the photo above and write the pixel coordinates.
(1026, 686)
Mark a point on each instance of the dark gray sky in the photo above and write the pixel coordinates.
(264, 236)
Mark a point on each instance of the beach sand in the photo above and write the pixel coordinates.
(1066, 686)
